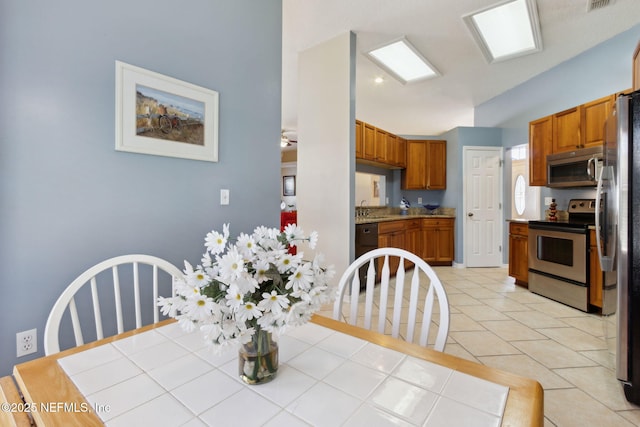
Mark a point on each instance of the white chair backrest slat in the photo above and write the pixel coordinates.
(413, 303)
(97, 314)
(75, 322)
(397, 300)
(368, 302)
(156, 310)
(136, 294)
(118, 299)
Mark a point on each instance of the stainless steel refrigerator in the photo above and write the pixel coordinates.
(618, 223)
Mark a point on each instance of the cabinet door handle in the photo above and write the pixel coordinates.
(470, 214)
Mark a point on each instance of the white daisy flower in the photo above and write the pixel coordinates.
(302, 278)
(293, 234)
(234, 297)
(287, 262)
(246, 244)
(261, 267)
(313, 239)
(273, 302)
(197, 278)
(248, 311)
(231, 265)
(215, 241)
(199, 307)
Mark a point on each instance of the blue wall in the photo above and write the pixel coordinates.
(457, 139)
(67, 199)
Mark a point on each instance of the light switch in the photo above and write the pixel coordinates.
(224, 197)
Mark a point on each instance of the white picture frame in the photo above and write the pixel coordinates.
(164, 116)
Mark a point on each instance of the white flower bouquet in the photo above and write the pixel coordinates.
(249, 286)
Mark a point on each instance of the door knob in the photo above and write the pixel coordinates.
(470, 214)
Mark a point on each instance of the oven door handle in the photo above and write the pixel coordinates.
(557, 228)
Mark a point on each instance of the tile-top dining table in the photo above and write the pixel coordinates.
(330, 373)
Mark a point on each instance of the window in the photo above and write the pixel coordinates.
(519, 199)
(525, 200)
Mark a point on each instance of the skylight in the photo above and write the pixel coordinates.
(403, 61)
(506, 30)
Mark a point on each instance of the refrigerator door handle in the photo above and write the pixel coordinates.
(606, 259)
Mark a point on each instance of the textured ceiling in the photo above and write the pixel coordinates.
(436, 29)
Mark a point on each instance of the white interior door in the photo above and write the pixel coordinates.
(483, 206)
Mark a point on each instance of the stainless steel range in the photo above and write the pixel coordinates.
(559, 255)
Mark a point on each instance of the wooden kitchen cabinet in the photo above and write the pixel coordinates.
(594, 116)
(437, 241)
(402, 152)
(381, 146)
(519, 252)
(436, 165)
(566, 130)
(414, 176)
(595, 273)
(391, 235)
(359, 139)
(369, 141)
(394, 155)
(377, 147)
(429, 238)
(540, 145)
(413, 237)
(426, 165)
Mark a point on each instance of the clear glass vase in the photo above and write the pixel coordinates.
(258, 359)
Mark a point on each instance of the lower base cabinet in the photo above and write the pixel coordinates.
(519, 253)
(391, 235)
(429, 238)
(437, 241)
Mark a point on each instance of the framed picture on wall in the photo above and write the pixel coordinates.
(163, 116)
(289, 185)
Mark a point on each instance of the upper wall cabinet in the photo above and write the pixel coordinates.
(572, 129)
(540, 145)
(566, 130)
(378, 147)
(594, 115)
(426, 165)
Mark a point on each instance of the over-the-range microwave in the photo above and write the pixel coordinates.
(577, 168)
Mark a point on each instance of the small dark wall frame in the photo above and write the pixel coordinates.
(289, 185)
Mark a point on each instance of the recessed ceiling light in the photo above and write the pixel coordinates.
(378, 80)
(403, 61)
(506, 30)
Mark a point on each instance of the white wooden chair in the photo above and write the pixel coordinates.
(118, 267)
(380, 263)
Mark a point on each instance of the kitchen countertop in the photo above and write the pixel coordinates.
(385, 218)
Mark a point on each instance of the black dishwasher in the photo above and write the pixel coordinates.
(366, 240)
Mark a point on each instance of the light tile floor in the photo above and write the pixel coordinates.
(499, 324)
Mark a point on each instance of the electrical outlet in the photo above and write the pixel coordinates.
(419, 200)
(26, 342)
(547, 201)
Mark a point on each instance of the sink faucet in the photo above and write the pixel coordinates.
(363, 202)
